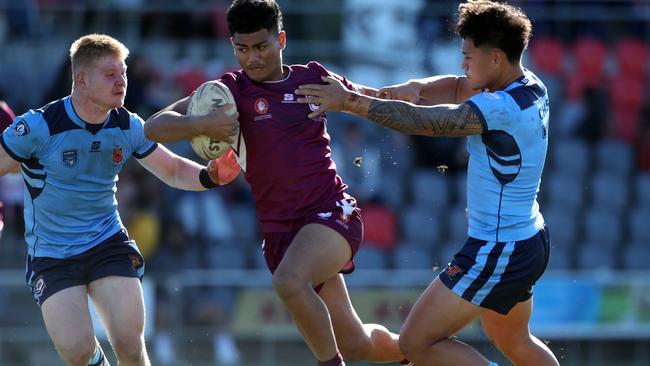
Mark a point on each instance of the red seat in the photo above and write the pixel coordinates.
(626, 92)
(589, 54)
(380, 226)
(548, 55)
(632, 57)
(626, 124)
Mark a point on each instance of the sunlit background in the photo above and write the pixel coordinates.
(208, 293)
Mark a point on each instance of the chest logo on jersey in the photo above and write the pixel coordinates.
(21, 128)
(289, 98)
(70, 157)
(95, 146)
(261, 106)
(118, 155)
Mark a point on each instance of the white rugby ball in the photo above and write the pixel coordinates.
(206, 99)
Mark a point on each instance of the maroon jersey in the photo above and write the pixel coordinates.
(285, 154)
(6, 116)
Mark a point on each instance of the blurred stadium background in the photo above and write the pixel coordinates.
(208, 292)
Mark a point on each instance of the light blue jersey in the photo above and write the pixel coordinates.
(70, 170)
(506, 161)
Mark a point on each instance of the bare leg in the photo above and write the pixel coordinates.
(357, 341)
(68, 322)
(316, 254)
(437, 315)
(123, 316)
(511, 334)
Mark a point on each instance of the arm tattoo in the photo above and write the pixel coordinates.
(440, 120)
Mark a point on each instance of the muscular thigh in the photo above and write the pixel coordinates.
(316, 254)
(508, 328)
(66, 316)
(438, 314)
(119, 302)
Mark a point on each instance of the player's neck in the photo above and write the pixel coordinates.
(88, 111)
(509, 75)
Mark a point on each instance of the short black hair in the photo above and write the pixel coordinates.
(250, 16)
(494, 24)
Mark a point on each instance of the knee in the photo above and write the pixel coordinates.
(128, 347)
(287, 284)
(413, 345)
(509, 344)
(354, 348)
(77, 352)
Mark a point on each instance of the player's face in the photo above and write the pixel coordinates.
(260, 54)
(478, 65)
(106, 82)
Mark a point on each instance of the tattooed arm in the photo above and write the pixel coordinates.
(452, 120)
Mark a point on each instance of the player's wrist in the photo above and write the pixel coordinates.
(209, 176)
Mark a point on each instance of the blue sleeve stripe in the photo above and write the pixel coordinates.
(9, 151)
(146, 153)
(480, 114)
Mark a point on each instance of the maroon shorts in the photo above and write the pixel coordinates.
(344, 217)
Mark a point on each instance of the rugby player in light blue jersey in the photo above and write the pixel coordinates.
(502, 108)
(70, 153)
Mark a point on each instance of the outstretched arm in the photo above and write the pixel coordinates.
(440, 89)
(452, 120)
(179, 172)
(173, 124)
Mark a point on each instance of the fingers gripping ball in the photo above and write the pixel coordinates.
(206, 99)
(224, 169)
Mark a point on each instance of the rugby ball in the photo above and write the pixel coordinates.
(206, 99)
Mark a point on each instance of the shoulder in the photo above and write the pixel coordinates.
(310, 67)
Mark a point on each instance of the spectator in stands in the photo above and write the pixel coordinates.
(506, 125)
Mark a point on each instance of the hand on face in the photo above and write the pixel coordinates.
(408, 92)
(329, 97)
(220, 124)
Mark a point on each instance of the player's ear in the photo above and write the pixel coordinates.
(282, 39)
(80, 78)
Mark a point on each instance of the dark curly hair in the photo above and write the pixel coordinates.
(493, 24)
(250, 16)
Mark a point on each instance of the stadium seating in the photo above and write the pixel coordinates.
(610, 191)
(370, 258)
(412, 257)
(639, 225)
(548, 55)
(563, 190)
(614, 157)
(421, 226)
(430, 188)
(602, 228)
(570, 156)
(457, 223)
(593, 256)
(632, 57)
(642, 188)
(636, 256)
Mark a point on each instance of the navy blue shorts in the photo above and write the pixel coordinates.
(498, 275)
(116, 256)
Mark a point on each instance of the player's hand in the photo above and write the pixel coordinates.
(220, 124)
(408, 92)
(225, 169)
(329, 97)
